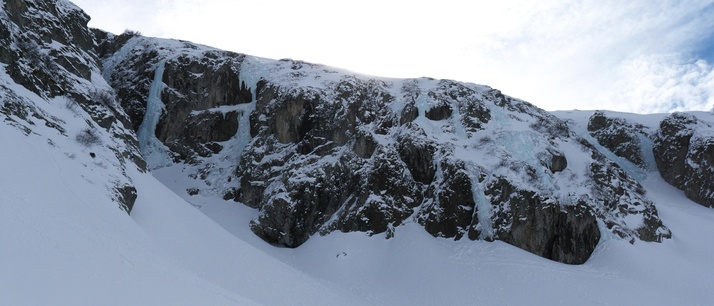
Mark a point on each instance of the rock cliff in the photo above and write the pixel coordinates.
(684, 152)
(316, 149)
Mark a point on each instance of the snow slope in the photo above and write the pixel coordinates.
(414, 268)
(64, 242)
(205, 248)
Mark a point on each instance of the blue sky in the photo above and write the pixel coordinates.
(705, 47)
(636, 56)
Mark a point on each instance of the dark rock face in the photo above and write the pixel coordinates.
(199, 89)
(195, 84)
(409, 113)
(577, 235)
(322, 161)
(672, 146)
(370, 187)
(32, 63)
(685, 156)
(126, 197)
(418, 155)
(450, 209)
(619, 136)
(558, 163)
(565, 233)
(439, 112)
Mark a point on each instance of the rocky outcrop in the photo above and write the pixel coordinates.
(30, 28)
(196, 86)
(449, 209)
(200, 91)
(47, 48)
(316, 150)
(339, 155)
(684, 152)
(540, 225)
(439, 112)
(558, 162)
(619, 136)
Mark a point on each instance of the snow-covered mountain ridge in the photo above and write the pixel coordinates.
(310, 150)
(316, 149)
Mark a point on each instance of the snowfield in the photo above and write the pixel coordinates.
(64, 242)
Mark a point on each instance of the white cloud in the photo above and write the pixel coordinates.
(578, 54)
(583, 54)
(665, 83)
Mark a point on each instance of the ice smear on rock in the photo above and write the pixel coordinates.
(154, 151)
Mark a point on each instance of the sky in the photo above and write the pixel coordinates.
(636, 56)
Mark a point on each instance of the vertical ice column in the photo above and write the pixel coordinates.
(243, 133)
(483, 207)
(154, 152)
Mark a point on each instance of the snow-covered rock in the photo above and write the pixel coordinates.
(684, 152)
(618, 135)
(317, 149)
(50, 73)
(456, 173)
